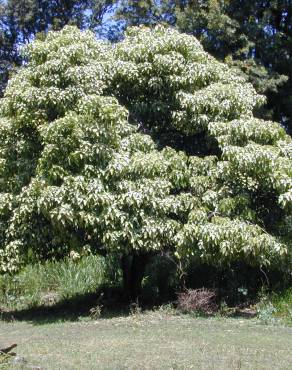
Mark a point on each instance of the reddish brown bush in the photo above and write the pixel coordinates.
(201, 300)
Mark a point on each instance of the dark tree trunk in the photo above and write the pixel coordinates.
(133, 267)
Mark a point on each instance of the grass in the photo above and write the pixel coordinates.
(283, 305)
(150, 340)
(51, 282)
(80, 283)
(54, 313)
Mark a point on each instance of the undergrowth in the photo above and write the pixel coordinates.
(283, 305)
(276, 307)
(50, 282)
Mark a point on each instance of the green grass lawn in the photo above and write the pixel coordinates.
(151, 340)
(46, 310)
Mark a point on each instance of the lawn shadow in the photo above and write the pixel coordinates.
(105, 303)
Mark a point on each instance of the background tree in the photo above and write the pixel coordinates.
(254, 36)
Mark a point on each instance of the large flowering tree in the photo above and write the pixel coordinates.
(143, 146)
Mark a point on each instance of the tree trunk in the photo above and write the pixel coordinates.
(133, 267)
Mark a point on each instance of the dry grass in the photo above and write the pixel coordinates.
(151, 340)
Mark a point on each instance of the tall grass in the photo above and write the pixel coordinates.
(38, 284)
(283, 305)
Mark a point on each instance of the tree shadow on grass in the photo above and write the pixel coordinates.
(105, 303)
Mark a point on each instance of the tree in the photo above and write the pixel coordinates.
(184, 98)
(150, 12)
(270, 30)
(22, 20)
(89, 156)
(252, 36)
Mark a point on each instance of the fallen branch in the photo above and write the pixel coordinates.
(7, 350)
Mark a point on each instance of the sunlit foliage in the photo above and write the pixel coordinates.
(89, 154)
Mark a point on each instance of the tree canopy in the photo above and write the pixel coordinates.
(143, 146)
(22, 20)
(253, 36)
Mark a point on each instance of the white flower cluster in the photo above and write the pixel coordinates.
(169, 73)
